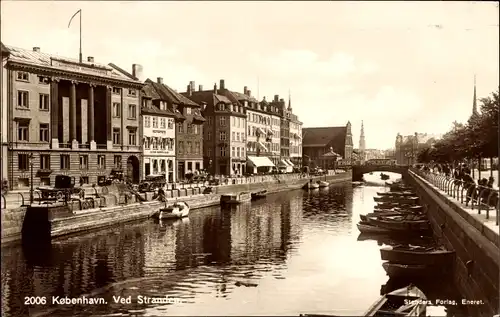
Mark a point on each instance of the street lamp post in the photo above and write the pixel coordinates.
(31, 180)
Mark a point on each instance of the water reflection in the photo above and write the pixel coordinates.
(286, 254)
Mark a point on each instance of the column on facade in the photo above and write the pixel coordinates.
(54, 112)
(91, 117)
(72, 115)
(108, 122)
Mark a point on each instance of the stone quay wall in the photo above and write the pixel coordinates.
(477, 264)
(114, 207)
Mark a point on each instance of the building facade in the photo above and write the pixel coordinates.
(224, 138)
(408, 147)
(295, 137)
(70, 117)
(3, 115)
(159, 132)
(320, 141)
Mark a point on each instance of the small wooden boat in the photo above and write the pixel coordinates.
(401, 224)
(235, 198)
(311, 185)
(406, 301)
(416, 255)
(407, 193)
(175, 211)
(397, 239)
(259, 195)
(400, 200)
(380, 214)
(323, 184)
(397, 270)
(384, 176)
(365, 227)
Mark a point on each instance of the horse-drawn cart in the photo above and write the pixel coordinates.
(63, 189)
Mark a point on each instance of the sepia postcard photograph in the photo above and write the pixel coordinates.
(249, 158)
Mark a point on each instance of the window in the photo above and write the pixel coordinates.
(116, 136)
(242, 152)
(209, 120)
(117, 161)
(233, 121)
(45, 181)
(84, 180)
(233, 151)
(197, 166)
(196, 129)
(44, 132)
(189, 128)
(23, 76)
(147, 144)
(155, 144)
(249, 131)
(188, 110)
(197, 148)
(132, 92)
(209, 135)
(181, 147)
(84, 162)
(163, 123)
(190, 166)
(222, 135)
(132, 136)
(155, 122)
(209, 152)
(22, 99)
(23, 131)
(147, 122)
(222, 151)
(180, 127)
(44, 102)
(170, 123)
(237, 136)
(43, 80)
(233, 136)
(65, 162)
(23, 162)
(116, 109)
(101, 161)
(222, 121)
(189, 147)
(117, 90)
(132, 111)
(45, 161)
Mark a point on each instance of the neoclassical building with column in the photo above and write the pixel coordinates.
(69, 117)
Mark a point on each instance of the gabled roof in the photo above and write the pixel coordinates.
(4, 50)
(323, 136)
(168, 94)
(239, 96)
(51, 61)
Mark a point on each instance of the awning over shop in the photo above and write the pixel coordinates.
(260, 161)
(262, 146)
(260, 131)
(284, 163)
(289, 162)
(270, 132)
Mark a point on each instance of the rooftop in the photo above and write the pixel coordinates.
(323, 136)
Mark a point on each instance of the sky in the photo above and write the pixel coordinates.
(401, 67)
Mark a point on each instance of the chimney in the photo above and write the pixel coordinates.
(159, 80)
(193, 87)
(36, 49)
(189, 89)
(137, 71)
(245, 90)
(249, 93)
(222, 84)
(90, 59)
(276, 98)
(215, 88)
(200, 87)
(282, 100)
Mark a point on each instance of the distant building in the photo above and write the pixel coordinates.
(160, 117)
(295, 137)
(317, 142)
(408, 147)
(3, 115)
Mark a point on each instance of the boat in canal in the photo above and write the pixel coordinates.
(417, 255)
(397, 193)
(406, 301)
(311, 185)
(259, 195)
(395, 239)
(323, 184)
(400, 224)
(384, 177)
(365, 227)
(380, 214)
(174, 211)
(233, 199)
(397, 270)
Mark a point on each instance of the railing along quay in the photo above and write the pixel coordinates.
(480, 197)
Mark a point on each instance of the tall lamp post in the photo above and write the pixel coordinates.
(31, 180)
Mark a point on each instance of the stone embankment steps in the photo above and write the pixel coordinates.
(115, 207)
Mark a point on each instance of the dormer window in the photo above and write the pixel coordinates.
(245, 103)
(220, 107)
(188, 110)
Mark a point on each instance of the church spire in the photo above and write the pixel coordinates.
(474, 100)
(362, 145)
(289, 100)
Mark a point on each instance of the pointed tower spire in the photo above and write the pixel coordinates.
(289, 100)
(362, 145)
(474, 101)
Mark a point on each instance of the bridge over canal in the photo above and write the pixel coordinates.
(359, 170)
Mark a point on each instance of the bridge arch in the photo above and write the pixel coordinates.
(359, 170)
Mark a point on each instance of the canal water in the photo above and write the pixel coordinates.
(291, 253)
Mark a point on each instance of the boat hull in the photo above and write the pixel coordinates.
(174, 212)
(439, 258)
(366, 228)
(404, 225)
(259, 195)
(233, 199)
(396, 270)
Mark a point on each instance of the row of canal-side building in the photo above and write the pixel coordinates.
(86, 119)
